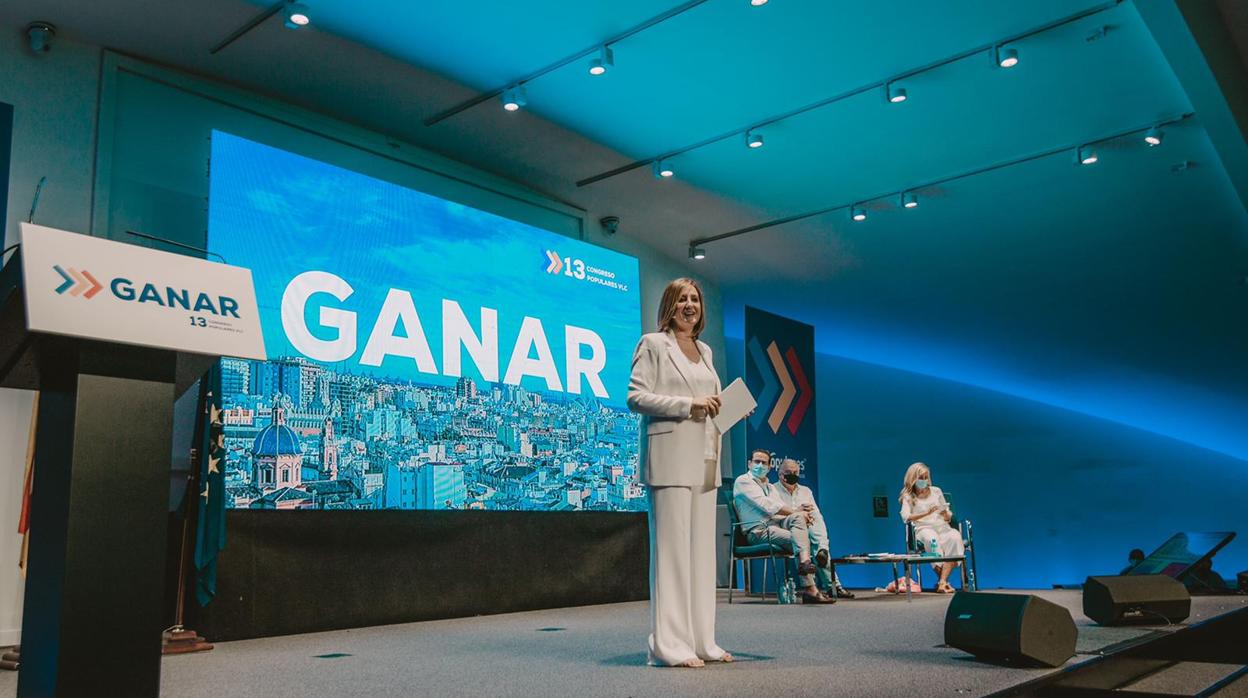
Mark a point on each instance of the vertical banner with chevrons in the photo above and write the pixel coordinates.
(780, 372)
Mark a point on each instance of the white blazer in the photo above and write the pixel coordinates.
(673, 452)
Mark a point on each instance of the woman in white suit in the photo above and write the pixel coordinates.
(674, 385)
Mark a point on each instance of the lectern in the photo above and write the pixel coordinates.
(92, 619)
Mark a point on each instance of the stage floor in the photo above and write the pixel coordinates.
(876, 645)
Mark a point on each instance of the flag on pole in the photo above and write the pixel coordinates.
(210, 524)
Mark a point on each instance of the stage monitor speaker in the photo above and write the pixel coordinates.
(1136, 598)
(1020, 629)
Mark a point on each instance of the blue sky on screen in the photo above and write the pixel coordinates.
(282, 214)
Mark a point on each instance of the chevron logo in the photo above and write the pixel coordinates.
(77, 282)
(787, 390)
(805, 394)
(784, 381)
(771, 387)
(555, 264)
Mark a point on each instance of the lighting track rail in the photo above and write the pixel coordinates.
(877, 85)
(1074, 147)
(251, 24)
(584, 53)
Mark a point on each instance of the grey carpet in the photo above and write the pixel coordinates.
(874, 646)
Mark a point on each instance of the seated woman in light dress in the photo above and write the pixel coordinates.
(924, 505)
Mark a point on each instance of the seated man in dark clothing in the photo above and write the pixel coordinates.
(1201, 579)
(1135, 557)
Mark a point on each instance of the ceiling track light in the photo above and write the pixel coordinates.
(39, 36)
(1002, 50)
(753, 140)
(697, 252)
(910, 196)
(297, 16)
(514, 97)
(604, 61)
(1005, 57)
(1154, 136)
(663, 169)
(895, 94)
(1085, 155)
(576, 58)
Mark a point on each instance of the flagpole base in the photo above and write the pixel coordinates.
(179, 640)
(11, 659)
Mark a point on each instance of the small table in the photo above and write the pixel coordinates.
(905, 560)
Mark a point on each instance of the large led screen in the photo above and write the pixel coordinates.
(423, 354)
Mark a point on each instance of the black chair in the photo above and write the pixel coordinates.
(743, 549)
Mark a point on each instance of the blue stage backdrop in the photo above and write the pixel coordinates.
(423, 354)
(780, 372)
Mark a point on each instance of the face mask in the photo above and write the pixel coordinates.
(790, 478)
(759, 470)
(920, 485)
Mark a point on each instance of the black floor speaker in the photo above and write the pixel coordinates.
(1152, 599)
(1019, 629)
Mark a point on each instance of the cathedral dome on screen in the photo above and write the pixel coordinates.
(276, 440)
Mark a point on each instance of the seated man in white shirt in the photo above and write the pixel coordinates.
(758, 503)
(797, 497)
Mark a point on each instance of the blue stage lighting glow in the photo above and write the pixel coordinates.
(1148, 402)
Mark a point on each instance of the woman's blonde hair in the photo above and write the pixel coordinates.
(667, 305)
(912, 474)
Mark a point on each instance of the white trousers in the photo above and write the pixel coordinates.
(948, 538)
(682, 575)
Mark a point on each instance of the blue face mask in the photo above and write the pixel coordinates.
(920, 485)
(759, 470)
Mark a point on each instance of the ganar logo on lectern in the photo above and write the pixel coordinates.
(174, 298)
(78, 282)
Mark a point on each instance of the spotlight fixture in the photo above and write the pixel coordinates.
(663, 169)
(297, 15)
(40, 35)
(753, 140)
(1086, 155)
(857, 213)
(514, 98)
(604, 61)
(1005, 57)
(1154, 136)
(697, 252)
(909, 200)
(896, 95)
(758, 3)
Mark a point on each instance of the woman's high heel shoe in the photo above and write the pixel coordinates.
(690, 663)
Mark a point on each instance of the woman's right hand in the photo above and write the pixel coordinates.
(704, 407)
